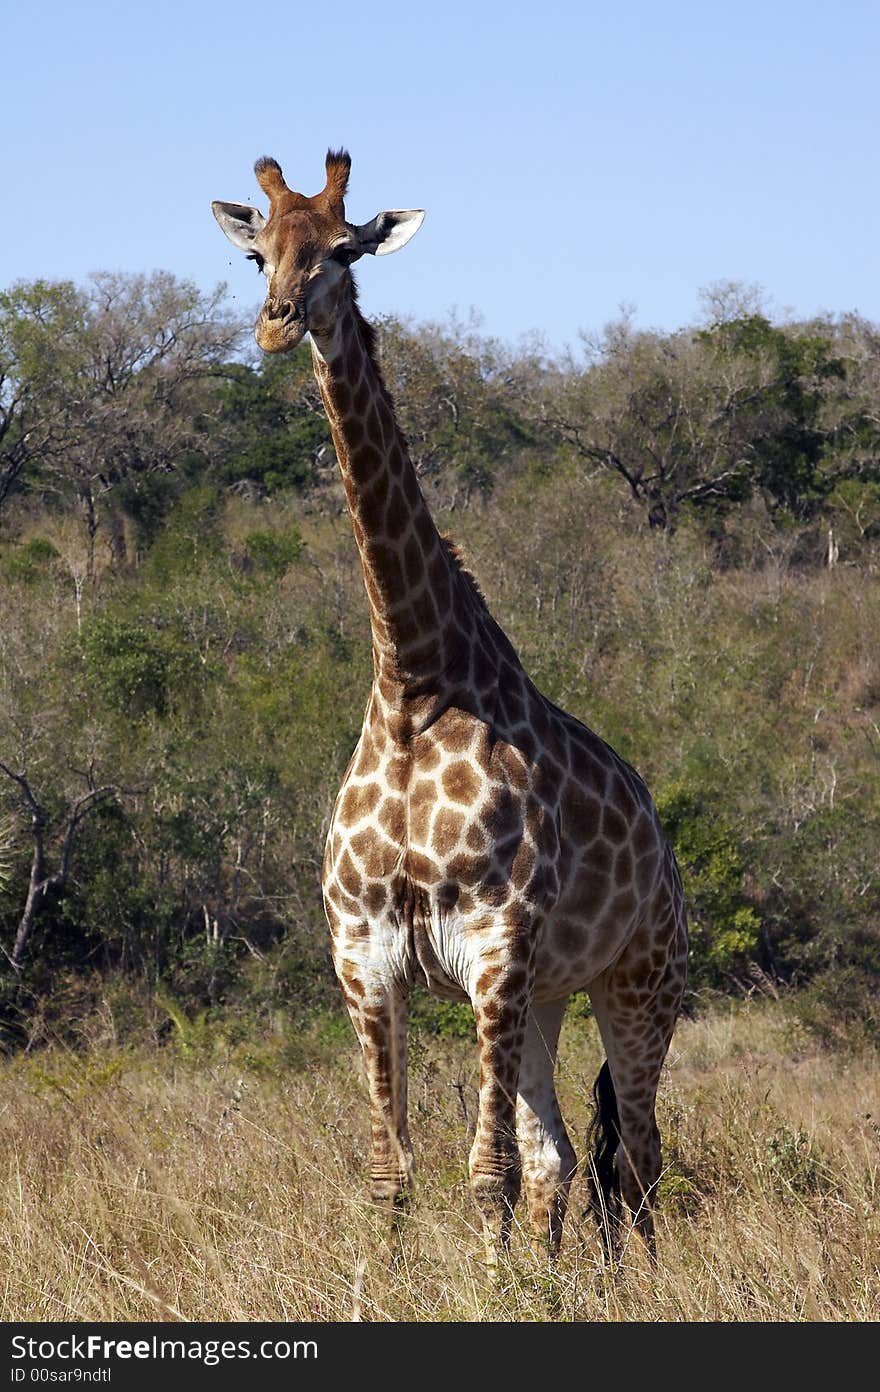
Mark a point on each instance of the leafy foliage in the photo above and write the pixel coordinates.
(271, 424)
(137, 668)
(272, 552)
(724, 928)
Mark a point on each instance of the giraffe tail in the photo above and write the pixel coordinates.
(603, 1138)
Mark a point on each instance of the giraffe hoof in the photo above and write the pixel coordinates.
(385, 1192)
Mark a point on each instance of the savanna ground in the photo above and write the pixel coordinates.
(204, 1181)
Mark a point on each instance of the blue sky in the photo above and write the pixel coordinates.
(571, 157)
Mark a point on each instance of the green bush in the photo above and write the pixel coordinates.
(191, 537)
(273, 552)
(795, 1164)
(139, 667)
(840, 1007)
(724, 927)
(821, 910)
(442, 1019)
(30, 561)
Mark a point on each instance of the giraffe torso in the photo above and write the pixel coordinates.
(502, 816)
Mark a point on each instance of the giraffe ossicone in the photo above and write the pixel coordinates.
(483, 842)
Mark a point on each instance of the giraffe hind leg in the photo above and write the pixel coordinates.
(636, 1006)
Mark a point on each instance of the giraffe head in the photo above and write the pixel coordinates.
(305, 249)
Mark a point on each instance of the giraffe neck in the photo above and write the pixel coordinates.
(422, 607)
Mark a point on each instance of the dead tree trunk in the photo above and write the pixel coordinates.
(40, 883)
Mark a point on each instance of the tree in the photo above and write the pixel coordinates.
(705, 418)
(455, 397)
(111, 372)
(269, 427)
(779, 425)
(41, 333)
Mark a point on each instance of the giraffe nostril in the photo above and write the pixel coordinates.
(281, 309)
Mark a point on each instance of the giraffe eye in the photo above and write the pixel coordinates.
(255, 256)
(344, 254)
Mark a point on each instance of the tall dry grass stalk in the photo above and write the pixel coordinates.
(142, 1187)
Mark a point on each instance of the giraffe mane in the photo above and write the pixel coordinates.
(453, 551)
(369, 336)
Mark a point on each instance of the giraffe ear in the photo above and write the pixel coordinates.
(389, 231)
(240, 223)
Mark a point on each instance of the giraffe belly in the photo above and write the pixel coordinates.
(576, 949)
(448, 950)
(556, 977)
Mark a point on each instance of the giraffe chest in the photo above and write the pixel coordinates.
(434, 851)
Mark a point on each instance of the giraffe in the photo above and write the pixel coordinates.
(483, 841)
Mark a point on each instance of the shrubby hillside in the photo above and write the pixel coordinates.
(679, 532)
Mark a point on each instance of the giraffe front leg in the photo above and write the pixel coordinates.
(548, 1159)
(378, 1014)
(501, 1002)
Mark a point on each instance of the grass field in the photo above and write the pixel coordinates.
(202, 1181)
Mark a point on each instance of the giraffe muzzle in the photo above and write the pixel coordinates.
(280, 327)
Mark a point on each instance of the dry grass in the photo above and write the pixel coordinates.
(229, 1187)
